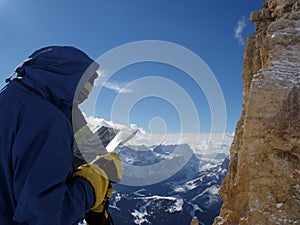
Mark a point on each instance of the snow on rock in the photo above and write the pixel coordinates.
(261, 186)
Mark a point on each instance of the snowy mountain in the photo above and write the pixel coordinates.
(167, 179)
(192, 191)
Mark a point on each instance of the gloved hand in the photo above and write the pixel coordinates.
(111, 164)
(101, 216)
(98, 180)
(105, 169)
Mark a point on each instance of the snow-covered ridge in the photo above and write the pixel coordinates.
(204, 143)
(192, 191)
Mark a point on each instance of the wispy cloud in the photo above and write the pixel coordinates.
(239, 28)
(117, 87)
(120, 88)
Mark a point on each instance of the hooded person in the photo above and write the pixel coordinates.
(39, 184)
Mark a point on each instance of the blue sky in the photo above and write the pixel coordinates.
(215, 31)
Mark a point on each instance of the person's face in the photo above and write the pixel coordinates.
(86, 89)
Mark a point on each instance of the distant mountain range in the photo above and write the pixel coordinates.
(191, 191)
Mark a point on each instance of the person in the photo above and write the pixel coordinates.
(39, 184)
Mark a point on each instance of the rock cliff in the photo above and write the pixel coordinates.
(263, 182)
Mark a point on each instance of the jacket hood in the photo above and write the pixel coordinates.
(58, 72)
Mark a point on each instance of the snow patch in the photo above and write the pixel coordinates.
(195, 208)
(176, 207)
(207, 166)
(278, 206)
(214, 190)
(137, 193)
(140, 217)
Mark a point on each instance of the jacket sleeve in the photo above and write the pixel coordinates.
(42, 157)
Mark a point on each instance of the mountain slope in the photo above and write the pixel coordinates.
(192, 191)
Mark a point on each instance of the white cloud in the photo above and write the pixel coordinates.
(198, 142)
(94, 123)
(117, 87)
(239, 28)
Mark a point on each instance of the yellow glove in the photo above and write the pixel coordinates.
(101, 214)
(105, 169)
(98, 179)
(105, 203)
(111, 164)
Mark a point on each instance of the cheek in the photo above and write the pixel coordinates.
(81, 98)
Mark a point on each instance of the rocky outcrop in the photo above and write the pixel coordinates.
(195, 221)
(263, 182)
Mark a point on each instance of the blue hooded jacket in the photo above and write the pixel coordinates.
(36, 141)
